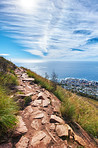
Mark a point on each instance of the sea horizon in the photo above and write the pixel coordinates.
(65, 69)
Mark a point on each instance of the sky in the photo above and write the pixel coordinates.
(49, 30)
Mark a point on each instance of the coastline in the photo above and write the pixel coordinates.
(78, 70)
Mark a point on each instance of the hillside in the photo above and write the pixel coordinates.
(44, 121)
(8, 107)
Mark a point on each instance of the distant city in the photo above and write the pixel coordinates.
(81, 86)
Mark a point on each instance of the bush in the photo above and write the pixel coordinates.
(68, 111)
(27, 100)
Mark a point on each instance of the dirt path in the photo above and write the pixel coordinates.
(40, 124)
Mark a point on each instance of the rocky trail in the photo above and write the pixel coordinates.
(40, 123)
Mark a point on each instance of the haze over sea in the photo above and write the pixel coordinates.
(79, 69)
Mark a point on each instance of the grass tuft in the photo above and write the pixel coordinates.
(8, 109)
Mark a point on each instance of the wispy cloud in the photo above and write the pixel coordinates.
(26, 61)
(3, 54)
(53, 30)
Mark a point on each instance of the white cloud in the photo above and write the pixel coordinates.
(49, 26)
(3, 54)
(35, 52)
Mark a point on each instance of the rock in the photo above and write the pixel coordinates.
(42, 96)
(30, 94)
(52, 127)
(45, 119)
(19, 88)
(35, 124)
(47, 140)
(38, 114)
(62, 130)
(24, 75)
(25, 95)
(69, 146)
(56, 104)
(21, 127)
(37, 138)
(27, 112)
(6, 145)
(70, 132)
(56, 109)
(36, 111)
(79, 140)
(23, 142)
(36, 103)
(29, 109)
(63, 146)
(46, 102)
(28, 79)
(57, 119)
(38, 91)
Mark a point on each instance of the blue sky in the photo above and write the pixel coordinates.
(49, 30)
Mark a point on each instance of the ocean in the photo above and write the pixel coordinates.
(82, 70)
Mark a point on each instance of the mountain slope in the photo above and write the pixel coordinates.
(44, 120)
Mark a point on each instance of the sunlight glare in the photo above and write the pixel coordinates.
(28, 4)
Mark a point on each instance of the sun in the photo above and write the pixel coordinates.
(28, 4)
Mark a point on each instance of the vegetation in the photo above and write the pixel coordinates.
(6, 66)
(40, 80)
(73, 108)
(27, 100)
(8, 107)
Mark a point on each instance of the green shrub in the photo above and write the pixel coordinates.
(68, 110)
(27, 100)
